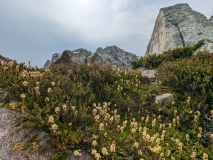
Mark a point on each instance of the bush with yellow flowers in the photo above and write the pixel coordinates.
(110, 112)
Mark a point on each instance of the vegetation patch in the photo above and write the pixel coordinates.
(154, 60)
(110, 112)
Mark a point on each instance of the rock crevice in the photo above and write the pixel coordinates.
(178, 26)
(181, 35)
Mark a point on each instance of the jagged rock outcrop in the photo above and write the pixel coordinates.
(3, 60)
(179, 26)
(108, 55)
(78, 55)
(113, 55)
(47, 64)
(55, 56)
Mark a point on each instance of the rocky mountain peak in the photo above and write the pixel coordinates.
(55, 56)
(113, 55)
(178, 26)
(108, 55)
(78, 55)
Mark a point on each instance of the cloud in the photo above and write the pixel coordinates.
(34, 30)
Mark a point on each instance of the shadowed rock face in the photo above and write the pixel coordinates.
(4, 60)
(108, 55)
(54, 58)
(47, 64)
(179, 26)
(78, 55)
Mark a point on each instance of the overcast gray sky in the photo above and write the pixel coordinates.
(32, 30)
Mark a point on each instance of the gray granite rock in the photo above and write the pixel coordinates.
(167, 97)
(78, 55)
(7, 118)
(108, 55)
(55, 57)
(7, 142)
(178, 26)
(113, 55)
(47, 64)
(208, 47)
(150, 73)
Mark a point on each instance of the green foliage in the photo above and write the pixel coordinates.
(192, 75)
(153, 60)
(110, 112)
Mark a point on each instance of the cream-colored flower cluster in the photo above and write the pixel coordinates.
(23, 96)
(196, 119)
(77, 153)
(133, 126)
(10, 63)
(57, 110)
(37, 92)
(25, 83)
(33, 74)
(51, 119)
(54, 127)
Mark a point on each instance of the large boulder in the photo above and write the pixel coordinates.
(164, 98)
(179, 26)
(150, 73)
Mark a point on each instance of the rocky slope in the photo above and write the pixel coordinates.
(179, 26)
(108, 55)
(8, 142)
(9, 148)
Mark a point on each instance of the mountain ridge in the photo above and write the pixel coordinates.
(108, 55)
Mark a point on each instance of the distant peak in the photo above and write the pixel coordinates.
(178, 6)
(112, 47)
(78, 50)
